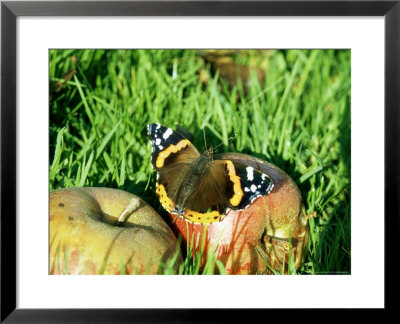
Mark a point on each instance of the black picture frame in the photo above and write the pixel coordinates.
(10, 10)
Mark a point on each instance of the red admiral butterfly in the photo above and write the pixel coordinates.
(197, 187)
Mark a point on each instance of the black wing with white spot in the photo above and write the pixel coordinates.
(254, 184)
(162, 138)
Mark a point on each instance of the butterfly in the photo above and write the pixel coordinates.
(196, 186)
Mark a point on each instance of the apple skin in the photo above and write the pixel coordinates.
(84, 237)
(246, 239)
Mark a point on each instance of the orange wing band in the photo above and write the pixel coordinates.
(165, 201)
(237, 188)
(203, 218)
(169, 150)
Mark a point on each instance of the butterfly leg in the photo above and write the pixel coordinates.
(180, 212)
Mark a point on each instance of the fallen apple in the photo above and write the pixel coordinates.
(87, 236)
(258, 239)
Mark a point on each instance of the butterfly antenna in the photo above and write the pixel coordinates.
(204, 134)
(233, 136)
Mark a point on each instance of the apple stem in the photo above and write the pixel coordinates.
(128, 210)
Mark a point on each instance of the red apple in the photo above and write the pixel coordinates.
(247, 240)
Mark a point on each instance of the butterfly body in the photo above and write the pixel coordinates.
(196, 186)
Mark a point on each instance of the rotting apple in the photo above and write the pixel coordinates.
(86, 237)
(246, 241)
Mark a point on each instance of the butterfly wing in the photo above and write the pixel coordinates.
(168, 146)
(172, 157)
(211, 199)
(253, 183)
(227, 186)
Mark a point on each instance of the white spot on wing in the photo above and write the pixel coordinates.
(167, 133)
(250, 174)
(158, 141)
(253, 188)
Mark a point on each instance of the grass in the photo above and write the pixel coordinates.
(299, 119)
